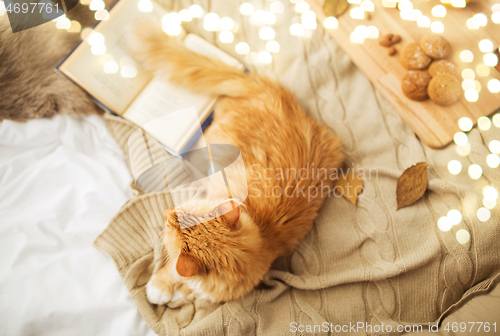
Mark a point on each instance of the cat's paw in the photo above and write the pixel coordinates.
(157, 294)
(177, 296)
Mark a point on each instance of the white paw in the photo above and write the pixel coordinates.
(176, 296)
(157, 295)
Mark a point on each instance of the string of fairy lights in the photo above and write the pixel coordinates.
(263, 17)
(470, 85)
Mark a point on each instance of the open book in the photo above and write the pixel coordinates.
(134, 93)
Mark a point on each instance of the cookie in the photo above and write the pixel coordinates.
(435, 46)
(444, 89)
(414, 58)
(414, 84)
(441, 67)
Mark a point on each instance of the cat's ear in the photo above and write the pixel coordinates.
(170, 216)
(186, 265)
(230, 211)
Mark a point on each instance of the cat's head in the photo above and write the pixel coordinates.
(219, 251)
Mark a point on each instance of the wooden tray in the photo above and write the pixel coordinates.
(434, 124)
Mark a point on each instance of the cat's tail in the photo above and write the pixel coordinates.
(162, 54)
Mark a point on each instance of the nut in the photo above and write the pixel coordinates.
(395, 39)
(386, 40)
(392, 51)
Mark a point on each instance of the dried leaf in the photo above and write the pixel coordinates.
(412, 185)
(335, 7)
(349, 186)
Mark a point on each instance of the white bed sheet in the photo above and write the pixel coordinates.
(61, 181)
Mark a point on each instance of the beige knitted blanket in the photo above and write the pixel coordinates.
(364, 264)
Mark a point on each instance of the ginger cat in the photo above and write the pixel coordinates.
(228, 254)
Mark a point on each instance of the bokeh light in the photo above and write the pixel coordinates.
(273, 46)
(296, 29)
(437, 27)
(242, 48)
(454, 167)
(490, 59)
(332, 23)
(246, 8)
(210, 22)
(438, 11)
(424, 21)
(486, 45)
(145, 6)
(96, 38)
(277, 7)
(494, 146)
(367, 6)
(226, 36)
(128, 71)
(464, 150)
(475, 171)
(98, 49)
(471, 95)
(490, 193)
(494, 85)
(264, 57)
(301, 7)
(444, 224)
(357, 13)
(483, 214)
(484, 123)
(196, 11)
(483, 70)
(496, 119)
(460, 138)
(110, 67)
(480, 19)
(185, 15)
(489, 204)
(267, 33)
(465, 124)
(467, 56)
(493, 160)
(454, 216)
(226, 23)
(463, 236)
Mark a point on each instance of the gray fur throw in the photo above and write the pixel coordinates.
(29, 87)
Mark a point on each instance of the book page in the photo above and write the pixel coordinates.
(113, 90)
(175, 129)
(200, 46)
(160, 98)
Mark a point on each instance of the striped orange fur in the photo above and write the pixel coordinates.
(226, 256)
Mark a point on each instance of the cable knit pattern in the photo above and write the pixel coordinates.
(365, 263)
